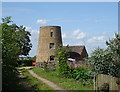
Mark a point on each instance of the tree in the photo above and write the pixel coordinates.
(114, 48)
(100, 60)
(107, 61)
(15, 41)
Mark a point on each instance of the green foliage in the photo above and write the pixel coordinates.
(80, 73)
(71, 72)
(33, 58)
(63, 53)
(65, 83)
(15, 41)
(101, 60)
(25, 61)
(114, 48)
(62, 56)
(107, 61)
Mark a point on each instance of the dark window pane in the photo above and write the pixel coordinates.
(52, 58)
(52, 46)
(51, 34)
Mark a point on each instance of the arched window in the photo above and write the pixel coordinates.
(51, 32)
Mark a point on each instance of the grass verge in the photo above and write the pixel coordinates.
(35, 83)
(66, 83)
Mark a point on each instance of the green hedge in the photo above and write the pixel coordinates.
(25, 62)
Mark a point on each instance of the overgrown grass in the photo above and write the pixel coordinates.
(66, 83)
(35, 83)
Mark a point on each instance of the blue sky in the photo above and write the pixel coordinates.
(88, 23)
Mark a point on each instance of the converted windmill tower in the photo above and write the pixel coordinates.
(49, 40)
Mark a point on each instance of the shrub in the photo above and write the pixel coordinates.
(61, 56)
(81, 72)
(107, 61)
(25, 62)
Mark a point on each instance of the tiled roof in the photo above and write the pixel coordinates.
(77, 49)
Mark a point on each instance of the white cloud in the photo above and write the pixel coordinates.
(64, 36)
(34, 32)
(99, 38)
(34, 39)
(77, 34)
(96, 39)
(27, 28)
(42, 21)
(34, 35)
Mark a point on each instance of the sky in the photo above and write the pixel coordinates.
(82, 23)
(60, 0)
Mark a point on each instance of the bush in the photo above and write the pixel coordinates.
(107, 61)
(80, 73)
(61, 56)
(25, 62)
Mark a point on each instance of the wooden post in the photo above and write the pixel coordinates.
(94, 81)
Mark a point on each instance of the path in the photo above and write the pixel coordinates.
(47, 82)
(25, 85)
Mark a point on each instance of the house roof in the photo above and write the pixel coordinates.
(78, 49)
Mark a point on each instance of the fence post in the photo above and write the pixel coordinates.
(94, 81)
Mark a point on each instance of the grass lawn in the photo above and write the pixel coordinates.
(38, 85)
(66, 83)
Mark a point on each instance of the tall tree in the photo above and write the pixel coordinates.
(15, 41)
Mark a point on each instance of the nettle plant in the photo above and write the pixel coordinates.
(107, 61)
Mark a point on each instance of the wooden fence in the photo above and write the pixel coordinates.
(102, 80)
